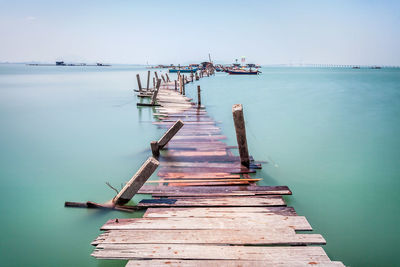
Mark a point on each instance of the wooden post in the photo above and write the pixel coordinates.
(138, 81)
(198, 97)
(155, 73)
(154, 83)
(240, 128)
(168, 80)
(176, 87)
(180, 84)
(155, 150)
(148, 80)
(162, 76)
(183, 84)
(136, 182)
(197, 76)
(154, 97)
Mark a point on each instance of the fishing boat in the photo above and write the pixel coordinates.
(186, 70)
(243, 72)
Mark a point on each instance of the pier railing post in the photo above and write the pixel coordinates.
(139, 83)
(136, 182)
(148, 80)
(198, 97)
(240, 128)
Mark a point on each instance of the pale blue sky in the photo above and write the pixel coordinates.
(266, 32)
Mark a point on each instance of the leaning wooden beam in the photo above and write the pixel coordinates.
(139, 83)
(168, 80)
(136, 182)
(240, 128)
(126, 194)
(157, 145)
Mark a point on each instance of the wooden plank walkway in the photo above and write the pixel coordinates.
(206, 210)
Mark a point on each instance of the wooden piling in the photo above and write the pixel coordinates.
(136, 182)
(240, 128)
(183, 84)
(138, 81)
(154, 82)
(148, 80)
(168, 80)
(156, 75)
(162, 76)
(198, 97)
(180, 84)
(157, 145)
(175, 85)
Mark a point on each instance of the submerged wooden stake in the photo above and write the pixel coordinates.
(148, 80)
(240, 128)
(138, 81)
(136, 182)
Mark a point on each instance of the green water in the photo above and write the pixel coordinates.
(331, 135)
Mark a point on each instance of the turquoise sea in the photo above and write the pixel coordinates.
(331, 135)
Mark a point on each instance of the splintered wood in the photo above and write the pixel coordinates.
(206, 208)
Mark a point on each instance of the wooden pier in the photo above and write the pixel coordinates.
(206, 209)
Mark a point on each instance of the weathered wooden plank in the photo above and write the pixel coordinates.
(275, 236)
(230, 263)
(197, 180)
(196, 153)
(201, 175)
(198, 190)
(218, 212)
(211, 252)
(239, 201)
(206, 169)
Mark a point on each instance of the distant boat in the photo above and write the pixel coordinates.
(243, 72)
(186, 70)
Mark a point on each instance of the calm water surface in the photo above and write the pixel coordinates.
(331, 135)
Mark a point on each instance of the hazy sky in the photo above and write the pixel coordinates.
(265, 32)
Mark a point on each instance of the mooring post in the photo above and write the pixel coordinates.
(148, 80)
(138, 82)
(198, 96)
(240, 128)
(154, 97)
(136, 182)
